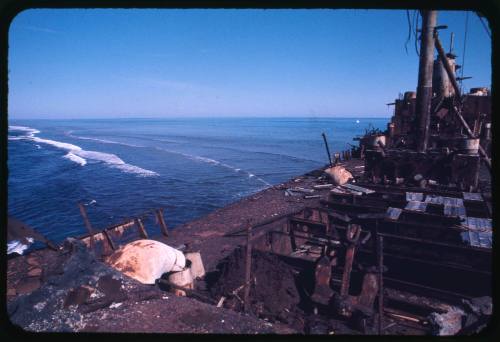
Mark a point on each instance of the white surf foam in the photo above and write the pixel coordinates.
(30, 131)
(80, 156)
(75, 158)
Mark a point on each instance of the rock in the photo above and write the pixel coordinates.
(43, 309)
(77, 296)
(448, 323)
(35, 272)
(480, 305)
(338, 174)
(28, 285)
(146, 260)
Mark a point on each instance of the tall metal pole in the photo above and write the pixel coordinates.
(327, 149)
(424, 88)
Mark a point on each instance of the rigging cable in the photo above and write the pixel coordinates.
(409, 30)
(415, 32)
(463, 53)
(484, 25)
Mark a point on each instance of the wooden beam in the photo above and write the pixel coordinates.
(83, 212)
(110, 240)
(161, 221)
(140, 227)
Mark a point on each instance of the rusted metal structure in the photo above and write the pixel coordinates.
(438, 136)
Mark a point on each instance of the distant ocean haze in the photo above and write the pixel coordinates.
(122, 167)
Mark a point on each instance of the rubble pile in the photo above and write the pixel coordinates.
(85, 285)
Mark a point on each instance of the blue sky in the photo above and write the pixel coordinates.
(168, 63)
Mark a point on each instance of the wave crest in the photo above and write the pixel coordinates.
(79, 155)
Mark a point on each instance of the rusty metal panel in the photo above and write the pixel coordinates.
(414, 196)
(416, 206)
(434, 199)
(393, 213)
(472, 196)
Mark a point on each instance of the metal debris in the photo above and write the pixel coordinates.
(358, 188)
(416, 206)
(472, 196)
(414, 196)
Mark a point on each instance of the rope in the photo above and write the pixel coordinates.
(465, 45)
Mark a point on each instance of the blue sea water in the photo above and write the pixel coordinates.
(123, 167)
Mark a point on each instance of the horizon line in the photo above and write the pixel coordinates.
(207, 117)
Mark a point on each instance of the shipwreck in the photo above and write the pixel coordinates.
(392, 237)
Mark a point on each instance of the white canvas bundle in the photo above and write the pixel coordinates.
(146, 260)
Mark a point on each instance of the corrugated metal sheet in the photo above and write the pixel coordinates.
(472, 196)
(393, 213)
(434, 199)
(416, 206)
(414, 196)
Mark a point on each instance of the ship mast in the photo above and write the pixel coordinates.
(424, 88)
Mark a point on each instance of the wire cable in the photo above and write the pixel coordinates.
(409, 30)
(415, 16)
(463, 53)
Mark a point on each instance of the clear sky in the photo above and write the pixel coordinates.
(161, 63)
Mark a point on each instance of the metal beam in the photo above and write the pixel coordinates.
(248, 268)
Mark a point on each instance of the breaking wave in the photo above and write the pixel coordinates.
(78, 155)
(75, 158)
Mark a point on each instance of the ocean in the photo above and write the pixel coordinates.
(119, 168)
